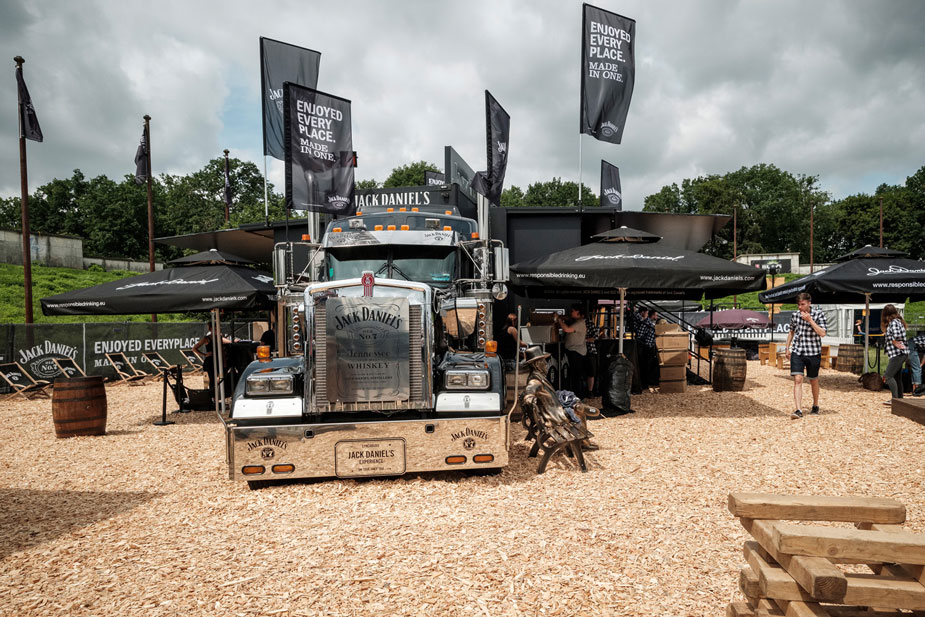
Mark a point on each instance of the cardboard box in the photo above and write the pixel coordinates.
(662, 328)
(673, 356)
(672, 386)
(676, 340)
(673, 373)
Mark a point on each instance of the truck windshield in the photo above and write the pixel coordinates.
(432, 265)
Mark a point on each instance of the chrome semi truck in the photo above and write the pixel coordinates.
(386, 362)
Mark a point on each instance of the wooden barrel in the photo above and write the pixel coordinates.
(728, 370)
(78, 406)
(850, 359)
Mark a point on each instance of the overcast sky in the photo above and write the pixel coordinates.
(828, 88)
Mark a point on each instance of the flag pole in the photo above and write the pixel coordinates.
(266, 202)
(150, 200)
(227, 209)
(24, 206)
(579, 172)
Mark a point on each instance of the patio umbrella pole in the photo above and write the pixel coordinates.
(622, 313)
(866, 330)
(516, 361)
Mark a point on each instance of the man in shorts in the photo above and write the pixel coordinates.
(807, 327)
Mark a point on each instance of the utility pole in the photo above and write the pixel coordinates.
(24, 207)
(881, 221)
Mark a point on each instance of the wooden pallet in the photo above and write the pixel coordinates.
(795, 570)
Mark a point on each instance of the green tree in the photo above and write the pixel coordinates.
(556, 193)
(409, 175)
(363, 185)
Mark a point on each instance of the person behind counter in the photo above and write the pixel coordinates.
(576, 348)
(204, 348)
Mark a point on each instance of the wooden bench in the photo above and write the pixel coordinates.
(551, 429)
(764, 354)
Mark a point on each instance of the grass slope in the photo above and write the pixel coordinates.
(50, 281)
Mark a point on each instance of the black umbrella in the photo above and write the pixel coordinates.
(172, 290)
(878, 279)
(870, 251)
(212, 256)
(634, 269)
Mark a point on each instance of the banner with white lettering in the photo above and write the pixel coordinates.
(611, 193)
(490, 183)
(434, 178)
(319, 151)
(281, 62)
(141, 158)
(608, 72)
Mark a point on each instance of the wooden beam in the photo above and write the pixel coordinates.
(863, 589)
(863, 545)
(913, 571)
(748, 583)
(817, 508)
(739, 609)
(802, 609)
(817, 575)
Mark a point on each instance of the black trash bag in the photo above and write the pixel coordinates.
(616, 395)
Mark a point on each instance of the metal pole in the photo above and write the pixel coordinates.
(811, 259)
(266, 203)
(150, 201)
(24, 207)
(227, 211)
(516, 362)
(881, 221)
(735, 245)
(579, 172)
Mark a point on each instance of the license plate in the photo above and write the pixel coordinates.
(369, 457)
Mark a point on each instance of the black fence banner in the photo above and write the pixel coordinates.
(319, 151)
(490, 183)
(611, 193)
(608, 72)
(434, 178)
(281, 62)
(29, 122)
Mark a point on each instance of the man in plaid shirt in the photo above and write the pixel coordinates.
(807, 327)
(649, 373)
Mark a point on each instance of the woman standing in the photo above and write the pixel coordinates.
(894, 334)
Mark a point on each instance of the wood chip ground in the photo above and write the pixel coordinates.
(143, 520)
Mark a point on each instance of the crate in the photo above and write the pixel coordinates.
(672, 357)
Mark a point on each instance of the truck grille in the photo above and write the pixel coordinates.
(416, 368)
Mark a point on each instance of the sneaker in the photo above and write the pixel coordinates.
(814, 411)
(796, 415)
(919, 391)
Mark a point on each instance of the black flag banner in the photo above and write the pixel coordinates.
(28, 121)
(281, 62)
(434, 178)
(141, 158)
(608, 72)
(491, 182)
(319, 151)
(611, 193)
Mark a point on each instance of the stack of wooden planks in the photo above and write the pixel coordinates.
(873, 568)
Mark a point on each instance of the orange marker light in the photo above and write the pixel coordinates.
(377, 228)
(475, 235)
(337, 229)
(263, 353)
(253, 470)
(390, 228)
(287, 468)
(447, 228)
(483, 458)
(415, 209)
(405, 227)
(455, 460)
(491, 347)
(306, 238)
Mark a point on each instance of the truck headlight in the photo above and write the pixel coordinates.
(265, 385)
(466, 380)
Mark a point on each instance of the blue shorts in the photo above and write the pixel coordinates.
(810, 363)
